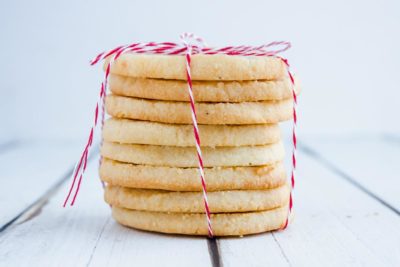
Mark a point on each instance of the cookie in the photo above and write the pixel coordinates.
(223, 224)
(155, 133)
(203, 91)
(187, 179)
(192, 202)
(186, 156)
(207, 113)
(203, 67)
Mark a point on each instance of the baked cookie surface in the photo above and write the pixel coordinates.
(203, 67)
(207, 113)
(192, 202)
(223, 224)
(203, 91)
(187, 179)
(155, 133)
(186, 156)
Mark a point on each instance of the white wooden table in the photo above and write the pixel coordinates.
(347, 205)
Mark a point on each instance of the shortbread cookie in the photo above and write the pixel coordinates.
(203, 67)
(155, 133)
(186, 156)
(187, 179)
(203, 91)
(192, 202)
(207, 113)
(223, 224)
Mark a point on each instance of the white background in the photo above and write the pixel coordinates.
(345, 52)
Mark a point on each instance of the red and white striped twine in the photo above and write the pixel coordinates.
(186, 41)
(294, 143)
(190, 45)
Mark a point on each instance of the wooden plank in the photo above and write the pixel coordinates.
(120, 246)
(336, 224)
(369, 161)
(28, 171)
(255, 250)
(86, 235)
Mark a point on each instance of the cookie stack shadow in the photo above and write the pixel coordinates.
(149, 156)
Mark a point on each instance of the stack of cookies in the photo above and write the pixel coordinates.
(149, 155)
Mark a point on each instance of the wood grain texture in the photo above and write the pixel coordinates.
(85, 235)
(370, 161)
(336, 222)
(28, 170)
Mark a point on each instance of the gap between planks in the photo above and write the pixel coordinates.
(213, 250)
(35, 207)
(317, 162)
(213, 244)
(342, 174)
